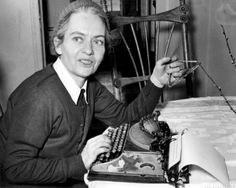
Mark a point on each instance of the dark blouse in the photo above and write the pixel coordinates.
(43, 132)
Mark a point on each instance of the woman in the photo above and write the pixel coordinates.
(45, 125)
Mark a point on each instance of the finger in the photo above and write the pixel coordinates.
(106, 132)
(177, 74)
(101, 145)
(99, 141)
(106, 143)
(176, 64)
(173, 79)
(101, 150)
(171, 70)
(164, 60)
(174, 58)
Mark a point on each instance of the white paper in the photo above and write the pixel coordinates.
(175, 150)
(196, 151)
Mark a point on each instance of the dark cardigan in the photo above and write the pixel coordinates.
(43, 132)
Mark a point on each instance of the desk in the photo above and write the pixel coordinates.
(209, 118)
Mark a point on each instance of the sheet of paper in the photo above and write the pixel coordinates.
(196, 151)
(175, 150)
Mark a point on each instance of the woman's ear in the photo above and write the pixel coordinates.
(57, 45)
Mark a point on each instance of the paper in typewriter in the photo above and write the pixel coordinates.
(189, 150)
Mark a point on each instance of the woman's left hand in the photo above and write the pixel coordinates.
(167, 70)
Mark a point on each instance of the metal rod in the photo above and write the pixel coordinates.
(169, 39)
(138, 50)
(157, 39)
(131, 56)
(189, 86)
(147, 47)
(167, 47)
(189, 61)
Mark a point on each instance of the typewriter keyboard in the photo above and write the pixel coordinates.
(118, 139)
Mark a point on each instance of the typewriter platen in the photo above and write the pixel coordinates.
(139, 154)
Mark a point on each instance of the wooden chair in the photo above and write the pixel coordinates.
(135, 34)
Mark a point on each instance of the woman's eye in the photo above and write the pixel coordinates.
(78, 39)
(99, 42)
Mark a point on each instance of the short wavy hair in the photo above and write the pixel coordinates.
(75, 7)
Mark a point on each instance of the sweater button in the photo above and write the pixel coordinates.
(81, 125)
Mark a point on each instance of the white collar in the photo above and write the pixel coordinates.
(68, 82)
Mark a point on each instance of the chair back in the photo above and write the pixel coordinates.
(144, 40)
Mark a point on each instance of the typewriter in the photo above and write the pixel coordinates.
(139, 153)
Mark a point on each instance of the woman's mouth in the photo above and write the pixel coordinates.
(86, 61)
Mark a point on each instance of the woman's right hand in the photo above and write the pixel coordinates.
(95, 146)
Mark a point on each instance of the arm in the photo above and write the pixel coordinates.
(113, 113)
(30, 125)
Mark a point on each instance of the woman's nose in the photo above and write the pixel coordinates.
(88, 48)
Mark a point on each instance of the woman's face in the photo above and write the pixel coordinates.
(83, 46)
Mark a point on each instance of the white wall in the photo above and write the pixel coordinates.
(210, 45)
(20, 44)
